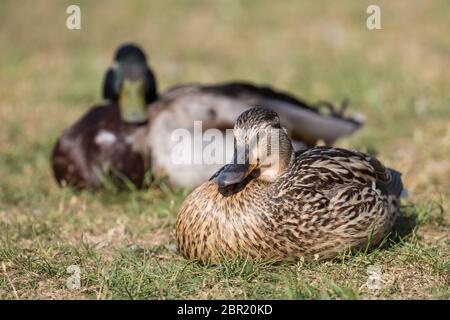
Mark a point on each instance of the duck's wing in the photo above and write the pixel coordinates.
(305, 122)
(344, 198)
(326, 169)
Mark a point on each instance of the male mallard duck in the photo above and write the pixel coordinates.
(274, 203)
(114, 138)
(108, 139)
(218, 106)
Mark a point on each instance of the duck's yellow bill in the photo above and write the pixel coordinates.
(133, 107)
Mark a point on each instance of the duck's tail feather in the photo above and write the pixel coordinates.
(405, 193)
(395, 185)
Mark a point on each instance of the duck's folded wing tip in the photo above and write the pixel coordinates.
(395, 185)
(358, 117)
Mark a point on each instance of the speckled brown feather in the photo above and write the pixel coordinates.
(328, 200)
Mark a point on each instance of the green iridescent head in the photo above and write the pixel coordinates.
(130, 83)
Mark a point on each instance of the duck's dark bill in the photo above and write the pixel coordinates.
(232, 174)
(133, 107)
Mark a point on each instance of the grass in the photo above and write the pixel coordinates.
(124, 242)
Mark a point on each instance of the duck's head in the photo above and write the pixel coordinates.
(262, 149)
(130, 83)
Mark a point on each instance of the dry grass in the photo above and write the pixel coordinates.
(124, 243)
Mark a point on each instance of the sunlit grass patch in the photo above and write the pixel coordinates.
(123, 242)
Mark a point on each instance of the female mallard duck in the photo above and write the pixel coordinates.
(274, 203)
(108, 140)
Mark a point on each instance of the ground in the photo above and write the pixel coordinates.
(123, 243)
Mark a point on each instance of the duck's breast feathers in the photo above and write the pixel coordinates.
(98, 137)
(90, 119)
(105, 117)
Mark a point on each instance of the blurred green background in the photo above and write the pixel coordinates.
(319, 50)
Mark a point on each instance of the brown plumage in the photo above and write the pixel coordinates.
(314, 204)
(100, 145)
